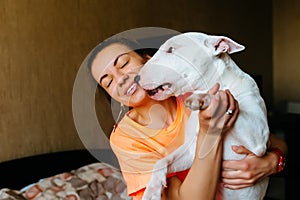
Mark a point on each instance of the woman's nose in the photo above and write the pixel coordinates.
(123, 80)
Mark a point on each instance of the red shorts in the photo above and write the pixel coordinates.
(181, 176)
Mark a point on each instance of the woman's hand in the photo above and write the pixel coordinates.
(215, 117)
(237, 174)
(215, 120)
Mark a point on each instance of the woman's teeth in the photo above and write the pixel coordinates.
(131, 90)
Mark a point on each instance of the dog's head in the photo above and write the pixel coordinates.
(182, 64)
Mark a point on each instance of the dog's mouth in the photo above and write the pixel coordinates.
(155, 91)
(160, 89)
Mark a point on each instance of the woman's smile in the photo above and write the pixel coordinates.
(131, 89)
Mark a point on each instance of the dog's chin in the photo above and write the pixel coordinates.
(159, 92)
(160, 96)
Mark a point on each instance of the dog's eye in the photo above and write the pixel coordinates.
(170, 50)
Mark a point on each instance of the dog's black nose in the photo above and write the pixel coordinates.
(137, 78)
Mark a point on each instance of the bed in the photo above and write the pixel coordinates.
(70, 175)
(77, 174)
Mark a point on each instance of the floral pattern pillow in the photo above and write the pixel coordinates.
(99, 181)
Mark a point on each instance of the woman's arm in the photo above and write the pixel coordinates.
(250, 170)
(203, 177)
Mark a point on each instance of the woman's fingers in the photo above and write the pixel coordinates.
(236, 179)
(222, 111)
(213, 115)
(214, 89)
(234, 116)
(240, 149)
(232, 111)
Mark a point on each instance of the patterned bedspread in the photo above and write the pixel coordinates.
(99, 181)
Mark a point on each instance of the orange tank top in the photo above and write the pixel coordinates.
(138, 148)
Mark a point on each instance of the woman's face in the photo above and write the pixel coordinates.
(114, 68)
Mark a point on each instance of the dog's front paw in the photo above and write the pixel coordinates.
(155, 185)
(152, 192)
(197, 101)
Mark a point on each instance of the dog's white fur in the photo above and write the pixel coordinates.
(195, 61)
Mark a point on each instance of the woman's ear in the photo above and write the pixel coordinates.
(146, 56)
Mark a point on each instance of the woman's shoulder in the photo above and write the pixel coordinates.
(127, 136)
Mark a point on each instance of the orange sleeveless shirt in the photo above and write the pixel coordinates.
(138, 148)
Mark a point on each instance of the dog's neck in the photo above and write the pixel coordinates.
(217, 71)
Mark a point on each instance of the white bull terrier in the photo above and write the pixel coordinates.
(195, 62)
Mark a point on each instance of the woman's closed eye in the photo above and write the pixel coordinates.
(124, 64)
(108, 84)
(123, 61)
(106, 81)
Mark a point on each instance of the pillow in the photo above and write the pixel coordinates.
(8, 194)
(98, 181)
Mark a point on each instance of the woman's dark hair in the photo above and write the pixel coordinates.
(132, 44)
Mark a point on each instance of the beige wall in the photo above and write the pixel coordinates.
(286, 51)
(43, 43)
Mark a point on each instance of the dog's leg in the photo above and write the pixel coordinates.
(157, 181)
(197, 100)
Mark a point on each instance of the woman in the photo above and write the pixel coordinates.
(152, 130)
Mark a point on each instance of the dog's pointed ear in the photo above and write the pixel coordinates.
(222, 44)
